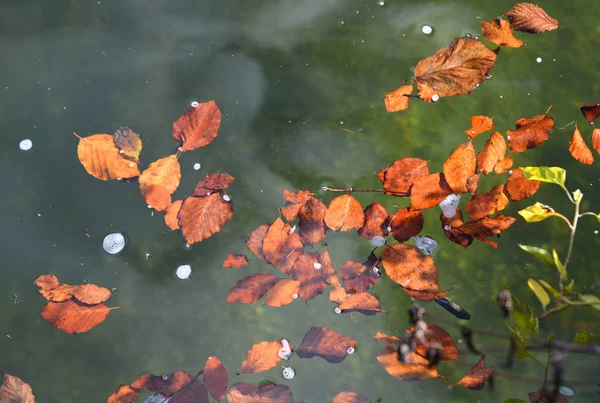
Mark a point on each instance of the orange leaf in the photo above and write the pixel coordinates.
(337, 294)
(353, 275)
(345, 213)
(492, 153)
(128, 142)
(479, 124)
(460, 166)
(262, 357)
(484, 204)
(157, 197)
(530, 133)
(311, 226)
(198, 127)
(306, 270)
(473, 183)
(282, 246)
(487, 227)
(235, 260)
(325, 343)
(164, 172)
(398, 99)
(349, 397)
(407, 266)
(295, 201)
(429, 191)
(171, 215)
(457, 69)
(504, 165)
(438, 337)
(518, 187)
(327, 270)
(125, 394)
(530, 18)
(405, 224)
(596, 139)
(477, 377)
(255, 241)
(202, 217)
(499, 32)
(215, 378)
(375, 218)
(212, 183)
(284, 292)
(424, 295)
(87, 293)
(579, 150)
(14, 390)
(102, 160)
(250, 289)
(270, 393)
(47, 282)
(590, 111)
(416, 368)
(400, 176)
(361, 302)
(72, 316)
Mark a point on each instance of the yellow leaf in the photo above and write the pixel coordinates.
(537, 212)
(555, 175)
(539, 292)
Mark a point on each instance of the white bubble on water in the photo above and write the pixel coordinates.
(435, 97)
(288, 373)
(426, 29)
(114, 243)
(26, 145)
(194, 104)
(378, 241)
(539, 60)
(317, 265)
(184, 271)
(197, 166)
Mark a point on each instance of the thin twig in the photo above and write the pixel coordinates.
(352, 190)
(588, 213)
(568, 304)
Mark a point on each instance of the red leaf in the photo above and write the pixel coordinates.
(125, 394)
(202, 217)
(311, 226)
(270, 393)
(504, 165)
(235, 260)
(15, 390)
(212, 183)
(579, 150)
(325, 343)
(400, 176)
(262, 357)
(477, 377)
(429, 191)
(415, 368)
(349, 397)
(405, 224)
(518, 187)
(407, 266)
(590, 111)
(172, 213)
(499, 32)
(375, 218)
(479, 124)
(345, 213)
(484, 204)
(459, 167)
(198, 127)
(398, 99)
(438, 337)
(72, 316)
(255, 241)
(530, 18)
(284, 292)
(306, 270)
(282, 246)
(251, 289)
(361, 302)
(215, 378)
(295, 202)
(492, 153)
(530, 133)
(358, 277)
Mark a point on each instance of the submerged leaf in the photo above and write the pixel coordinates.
(235, 260)
(72, 316)
(128, 142)
(102, 159)
(435, 336)
(579, 150)
(349, 397)
(459, 167)
(540, 253)
(499, 32)
(479, 124)
(198, 127)
(270, 393)
(215, 378)
(478, 375)
(591, 111)
(547, 396)
(518, 187)
(250, 289)
(325, 343)
(398, 99)
(529, 133)
(414, 368)
(530, 18)
(311, 226)
(14, 390)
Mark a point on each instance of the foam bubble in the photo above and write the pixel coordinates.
(26, 145)
(184, 271)
(114, 243)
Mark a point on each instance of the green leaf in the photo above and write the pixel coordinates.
(577, 195)
(539, 292)
(585, 338)
(555, 293)
(537, 212)
(525, 319)
(591, 299)
(540, 253)
(545, 174)
(521, 350)
(561, 269)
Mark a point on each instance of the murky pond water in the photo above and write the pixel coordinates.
(300, 85)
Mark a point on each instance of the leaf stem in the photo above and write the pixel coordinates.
(568, 194)
(573, 230)
(352, 190)
(588, 213)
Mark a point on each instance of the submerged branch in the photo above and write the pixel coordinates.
(352, 190)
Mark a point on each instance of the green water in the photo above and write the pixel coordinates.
(289, 77)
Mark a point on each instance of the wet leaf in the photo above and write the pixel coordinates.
(400, 176)
(171, 215)
(596, 139)
(415, 368)
(590, 111)
(283, 292)
(539, 292)
(499, 32)
(398, 99)
(424, 295)
(164, 172)
(349, 397)
(579, 150)
(375, 217)
(540, 253)
(457, 69)
(282, 246)
(128, 142)
(192, 392)
(537, 212)
(479, 124)
(459, 167)
(235, 260)
(429, 191)
(529, 133)
(87, 293)
(435, 336)
(345, 213)
(311, 226)
(212, 183)
(530, 18)
(183, 386)
(407, 266)
(198, 127)
(484, 204)
(295, 201)
(125, 394)
(337, 294)
(358, 277)
(521, 350)
(518, 187)
(270, 393)
(157, 197)
(451, 227)
(255, 241)
(102, 160)
(262, 357)
(405, 224)
(361, 302)
(325, 343)
(215, 378)
(14, 390)
(504, 165)
(478, 375)
(202, 217)
(452, 307)
(252, 288)
(306, 270)
(487, 227)
(547, 396)
(72, 316)
(47, 282)
(492, 153)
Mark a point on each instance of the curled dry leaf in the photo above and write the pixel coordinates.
(429, 191)
(172, 213)
(215, 378)
(596, 139)
(102, 159)
(14, 390)
(451, 227)
(128, 142)
(415, 367)
(530, 18)
(492, 153)
(270, 393)
(398, 99)
(306, 270)
(375, 218)
(361, 302)
(212, 183)
(479, 124)
(345, 213)
(435, 336)
(504, 165)
(262, 357)
(235, 260)
(499, 32)
(87, 293)
(398, 177)
(295, 201)
(157, 197)
(590, 111)
(478, 375)
(311, 226)
(325, 343)
(282, 293)
(255, 241)
(460, 166)
(407, 266)
(125, 394)
(484, 204)
(349, 397)
(164, 172)
(72, 316)
(281, 246)
(405, 224)
(250, 289)
(579, 150)
(457, 69)
(518, 187)
(530, 133)
(198, 127)
(202, 217)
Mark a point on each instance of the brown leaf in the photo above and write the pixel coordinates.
(473, 183)
(102, 160)
(311, 226)
(72, 316)
(530, 133)
(547, 396)
(579, 150)
(327, 270)
(436, 337)
(416, 368)
(424, 295)
(250, 289)
(451, 227)
(47, 282)
(349, 397)
(125, 394)
(398, 99)
(325, 343)
(270, 393)
(198, 127)
(168, 385)
(504, 165)
(164, 172)
(405, 224)
(457, 69)
(407, 266)
(212, 183)
(157, 197)
(202, 217)
(479, 124)
(487, 227)
(14, 390)
(375, 218)
(345, 213)
(171, 215)
(295, 201)
(235, 260)
(193, 392)
(530, 18)
(518, 187)
(590, 111)
(215, 378)
(477, 377)
(492, 153)
(499, 32)
(282, 246)
(128, 142)
(87, 293)
(358, 277)
(361, 302)
(429, 191)
(400, 176)
(460, 166)
(255, 241)
(337, 294)
(306, 270)
(484, 204)
(284, 292)
(262, 357)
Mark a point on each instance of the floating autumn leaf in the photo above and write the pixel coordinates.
(473, 183)
(452, 230)
(235, 260)
(202, 217)
(164, 172)
(478, 375)
(484, 204)
(102, 160)
(345, 213)
(14, 390)
(398, 99)
(262, 357)
(87, 293)
(547, 396)
(198, 127)
(530, 18)
(215, 378)
(414, 368)
(352, 273)
(47, 282)
(212, 183)
(518, 187)
(499, 32)
(407, 266)
(125, 394)
(579, 150)
(328, 344)
(171, 215)
(479, 124)
(460, 166)
(487, 227)
(398, 177)
(157, 197)
(492, 153)
(405, 224)
(250, 289)
(270, 393)
(284, 292)
(375, 218)
(530, 133)
(349, 397)
(282, 246)
(72, 316)
(457, 69)
(437, 337)
(504, 165)
(424, 295)
(429, 191)
(311, 226)
(590, 111)
(596, 139)
(361, 302)
(295, 201)
(329, 276)
(181, 387)
(255, 241)
(306, 270)
(128, 142)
